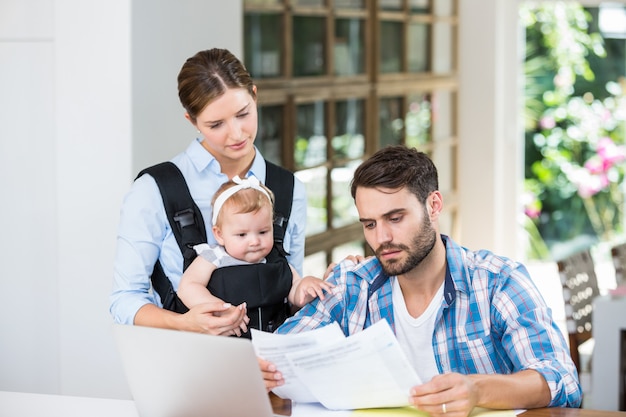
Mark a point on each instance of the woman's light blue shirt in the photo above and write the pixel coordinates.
(144, 233)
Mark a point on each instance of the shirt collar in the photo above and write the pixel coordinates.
(203, 159)
(372, 272)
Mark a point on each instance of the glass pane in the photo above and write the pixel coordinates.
(308, 3)
(446, 222)
(349, 50)
(351, 248)
(315, 264)
(444, 158)
(310, 146)
(391, 4)
(308, 46)
(420, 6)
(350, 125)
(344, 210)
(262, 40)
(443, 7)
(391, 121)
(262, 2)
(315, 184)
(418, 120)
(269, 133)
(418, 47)
(443, 113)
(349, 4)
(390, 47)
(443, 50)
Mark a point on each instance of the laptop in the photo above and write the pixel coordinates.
(182, 374)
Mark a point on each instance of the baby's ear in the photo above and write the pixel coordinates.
(217, 232)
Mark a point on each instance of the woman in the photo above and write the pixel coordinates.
(220, 102)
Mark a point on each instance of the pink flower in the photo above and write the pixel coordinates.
(595, 165)
(532, 206)
(610, 153)
(547, 122)
(592, 184)
(532, 212)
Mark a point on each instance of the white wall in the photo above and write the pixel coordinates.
(87, 97)
(165, 33)
(29, 312)
(491, 147)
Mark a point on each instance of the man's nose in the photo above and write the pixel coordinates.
(383, 234)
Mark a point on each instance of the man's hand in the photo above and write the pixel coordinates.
(454, 395)
(271, 376)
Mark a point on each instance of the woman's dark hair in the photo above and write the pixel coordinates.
(207, 75)
(395, 167)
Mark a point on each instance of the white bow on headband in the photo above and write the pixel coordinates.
(250, 182)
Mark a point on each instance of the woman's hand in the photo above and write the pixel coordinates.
(356, 259)
(271, 377)
(218, 318)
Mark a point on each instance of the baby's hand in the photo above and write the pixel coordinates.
(310, 288)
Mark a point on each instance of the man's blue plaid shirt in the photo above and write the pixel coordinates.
(492, 319)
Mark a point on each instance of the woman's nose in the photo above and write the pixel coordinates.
(234, 129)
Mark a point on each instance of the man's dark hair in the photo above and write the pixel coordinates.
(397, 166)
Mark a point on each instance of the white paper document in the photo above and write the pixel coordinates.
(366, 370)
(275, 347)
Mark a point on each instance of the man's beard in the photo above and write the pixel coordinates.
(422, 244)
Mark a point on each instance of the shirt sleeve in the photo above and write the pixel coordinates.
(532, 338)
(213, 253)
(141, 230)
(295, 233)
(344, 304)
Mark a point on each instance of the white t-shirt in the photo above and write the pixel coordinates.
(415, 335)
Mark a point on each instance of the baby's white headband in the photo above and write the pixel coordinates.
(250, 182)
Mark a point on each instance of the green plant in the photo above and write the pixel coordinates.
(575, 154)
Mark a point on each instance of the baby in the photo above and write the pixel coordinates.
(243, 225)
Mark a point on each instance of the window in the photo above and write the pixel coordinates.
(339, 79)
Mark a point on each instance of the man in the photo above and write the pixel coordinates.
(473, 324)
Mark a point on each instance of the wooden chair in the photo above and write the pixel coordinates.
(580, 287)
(618, 253)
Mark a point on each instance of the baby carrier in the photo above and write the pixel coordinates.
(264, 287)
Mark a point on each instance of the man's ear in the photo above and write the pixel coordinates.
(434, 204)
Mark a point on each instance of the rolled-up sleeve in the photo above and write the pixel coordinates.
(295, 234)
(140, 233)
(533, 340)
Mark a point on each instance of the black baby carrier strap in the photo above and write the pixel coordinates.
(186, 223)
(263, 286)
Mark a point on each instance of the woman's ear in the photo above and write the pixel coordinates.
(255, 92)
(188, 117)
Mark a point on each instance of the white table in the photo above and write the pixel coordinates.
(609, 321)
(20, 404)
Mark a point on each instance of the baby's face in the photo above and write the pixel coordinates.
(247, 236)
